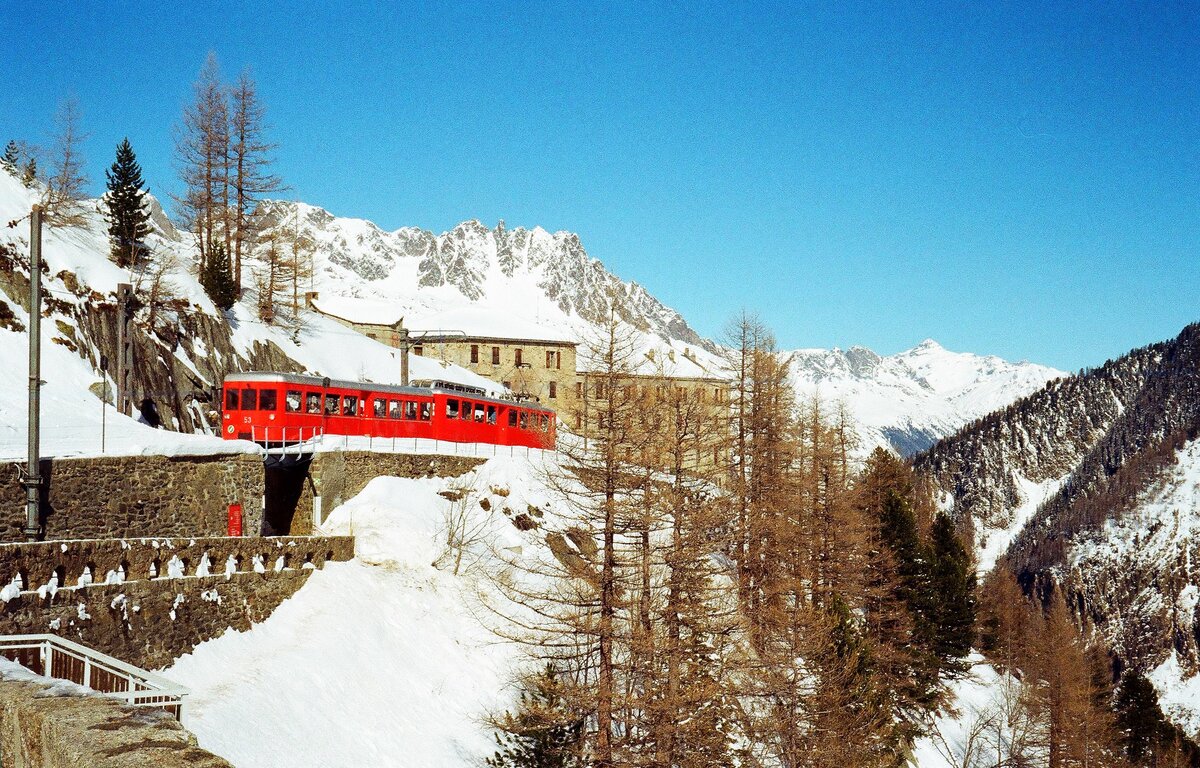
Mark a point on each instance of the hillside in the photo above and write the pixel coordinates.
(1091, 483)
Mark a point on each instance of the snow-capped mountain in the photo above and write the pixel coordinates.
(909, 400)
(543, 278)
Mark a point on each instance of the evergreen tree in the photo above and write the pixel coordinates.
(543, 733)
(217, 278)
(952, 584)
(1148, 737)
(127, 217)
(12, 156)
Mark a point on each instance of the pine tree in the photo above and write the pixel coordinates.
(543, 732)
(127, 217)
(217, 278)
(12, 156)
(952, 584)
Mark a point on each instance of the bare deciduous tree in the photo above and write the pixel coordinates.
(63, 201)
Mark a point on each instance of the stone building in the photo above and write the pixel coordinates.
(536, 363)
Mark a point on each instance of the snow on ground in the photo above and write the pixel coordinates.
(1178, 694)
(981, 724)
(993, 542)
(379, 661)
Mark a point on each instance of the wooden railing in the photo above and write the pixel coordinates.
(57, 657)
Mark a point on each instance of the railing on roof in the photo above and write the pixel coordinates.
(56, 657)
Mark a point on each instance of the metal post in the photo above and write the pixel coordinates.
(124, 347)
(404, 357)
(33, 478)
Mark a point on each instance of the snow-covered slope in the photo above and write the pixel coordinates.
(422, 670)
(909, 400)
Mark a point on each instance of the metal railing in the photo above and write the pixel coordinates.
(285, 438)
(56, 657)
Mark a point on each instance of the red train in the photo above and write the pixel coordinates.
(288, 408)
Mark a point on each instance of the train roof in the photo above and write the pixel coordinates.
(435, 386)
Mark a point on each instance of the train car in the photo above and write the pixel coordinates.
(284, 408)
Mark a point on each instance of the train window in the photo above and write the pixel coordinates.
(331, 405)
(545, 423)
(292, 401)
(524, 420)
(491, 416)
(231, 399)
(268, 399)
(380, 407)
(495, 355)
(426, 411)
(512, 417)
(393, 409)
(410, 409)
(479, 412)
(312, 402)
(249, 399)
(349, 405)
(451, 409)
(466, 410)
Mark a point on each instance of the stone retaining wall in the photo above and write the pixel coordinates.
(129, 496)
(40, 727)
(147, 621)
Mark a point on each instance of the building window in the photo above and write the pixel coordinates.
(495, 355)
(579, 389)
(517, 357)
(507, 384)
(549, 358)
(419, 350)
(370, 335)
(553, 389)
(474, 353)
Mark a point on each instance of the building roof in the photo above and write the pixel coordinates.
(359, 311)
(475, 322)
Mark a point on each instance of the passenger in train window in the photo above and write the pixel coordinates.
(292, 402)
(410, 409)
(524, 420)
(331, 405)
(393, 409)
(466, 410)
(426, 411)
(380, 407)
(451, 408)
(268, 400)
(249, 399)
(491, 414)
(231, 399)
(479, 412)
(312, 402)
(349, 405)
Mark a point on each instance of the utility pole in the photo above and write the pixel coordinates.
(404, 357)
(124, 346)
(33, 478)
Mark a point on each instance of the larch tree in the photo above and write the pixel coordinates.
(128, 219)
(66, 187)
(249, 167)
(202, 156)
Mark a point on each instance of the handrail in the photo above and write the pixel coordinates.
(143, 688)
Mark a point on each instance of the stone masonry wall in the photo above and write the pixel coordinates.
(337, 476)
(40, 727)
(129, 496)
(150, 621)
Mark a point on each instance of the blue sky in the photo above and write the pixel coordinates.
(1019, 180)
